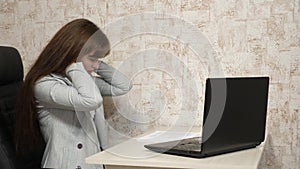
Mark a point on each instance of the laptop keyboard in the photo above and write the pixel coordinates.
(190, 144)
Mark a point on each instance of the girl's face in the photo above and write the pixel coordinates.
(91, 60)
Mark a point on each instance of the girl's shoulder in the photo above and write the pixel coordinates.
(55, 77)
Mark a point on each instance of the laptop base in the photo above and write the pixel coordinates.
(161, 148)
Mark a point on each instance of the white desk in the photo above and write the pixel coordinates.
(132, 154)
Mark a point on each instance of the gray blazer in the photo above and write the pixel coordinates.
(71, 113)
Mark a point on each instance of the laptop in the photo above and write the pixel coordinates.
(234, 119)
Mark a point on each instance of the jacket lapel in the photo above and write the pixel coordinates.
(86, 122)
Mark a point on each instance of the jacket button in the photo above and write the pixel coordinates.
(78, 167)
(79, 146)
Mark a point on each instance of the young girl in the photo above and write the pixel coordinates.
(62, 97)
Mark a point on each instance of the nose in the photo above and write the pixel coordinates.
(95, 65)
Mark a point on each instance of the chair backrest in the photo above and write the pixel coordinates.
(11, 78)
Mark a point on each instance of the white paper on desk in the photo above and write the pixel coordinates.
(163, 136)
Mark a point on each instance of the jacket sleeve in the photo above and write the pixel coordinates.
(111, 81)
(82, 96)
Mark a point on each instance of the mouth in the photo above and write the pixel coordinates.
(90, 71)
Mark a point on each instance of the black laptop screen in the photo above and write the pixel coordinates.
(235, 111)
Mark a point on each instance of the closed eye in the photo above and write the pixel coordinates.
(93, 59)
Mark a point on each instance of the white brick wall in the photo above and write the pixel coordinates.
(251, 37)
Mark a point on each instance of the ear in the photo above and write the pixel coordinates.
(78, 59)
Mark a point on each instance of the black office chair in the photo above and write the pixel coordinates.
(11, 78)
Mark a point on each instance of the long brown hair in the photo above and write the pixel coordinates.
(62, 50)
